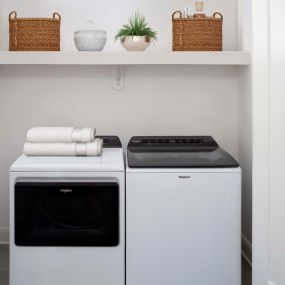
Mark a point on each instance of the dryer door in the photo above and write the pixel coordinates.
(66, 214)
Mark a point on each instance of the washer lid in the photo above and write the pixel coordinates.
(177, 152)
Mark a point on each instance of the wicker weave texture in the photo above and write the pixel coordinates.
(197, 34)
(34, 34)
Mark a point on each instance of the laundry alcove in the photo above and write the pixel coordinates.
(196, 93)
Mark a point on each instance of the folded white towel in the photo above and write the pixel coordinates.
(60, 134)
(64, 149)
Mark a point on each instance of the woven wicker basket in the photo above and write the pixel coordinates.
(197, 34)
(34, 34)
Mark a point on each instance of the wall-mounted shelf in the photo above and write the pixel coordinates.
(125, 58)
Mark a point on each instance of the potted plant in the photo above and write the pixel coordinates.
(136, 35)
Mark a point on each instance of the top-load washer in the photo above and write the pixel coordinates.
(67, 219)
(183, 212)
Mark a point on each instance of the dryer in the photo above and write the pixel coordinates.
(183, 212)
(67, 219)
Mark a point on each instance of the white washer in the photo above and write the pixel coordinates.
(67, 219)
(183, 212)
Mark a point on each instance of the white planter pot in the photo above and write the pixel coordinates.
(136, 43)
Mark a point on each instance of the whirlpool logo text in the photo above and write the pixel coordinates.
(184, 177)
(65, 191)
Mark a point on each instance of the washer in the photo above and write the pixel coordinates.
(67, 219)
(183, 212)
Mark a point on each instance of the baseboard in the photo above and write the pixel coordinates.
(246, 249)
(4, 235)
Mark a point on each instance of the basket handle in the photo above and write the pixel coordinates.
(218, 14)
(56, 15)
(13, 15)
(176, 12)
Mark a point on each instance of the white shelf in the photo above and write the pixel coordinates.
(125, 58)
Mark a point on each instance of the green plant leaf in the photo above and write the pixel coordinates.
(137, 26)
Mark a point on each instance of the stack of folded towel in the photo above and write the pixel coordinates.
(61, 141)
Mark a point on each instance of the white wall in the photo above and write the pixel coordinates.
(261, 143)
(245, 124)
(269, 141)
(168, 100)
(156, 100)
(111, 15)
(277, 143)
(245, 158)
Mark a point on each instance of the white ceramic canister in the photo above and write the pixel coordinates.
(90, 38)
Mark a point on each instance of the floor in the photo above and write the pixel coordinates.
(4, 268)
(4, 264)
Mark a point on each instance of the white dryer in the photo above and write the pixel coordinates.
(67, 219)
(183, 212)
